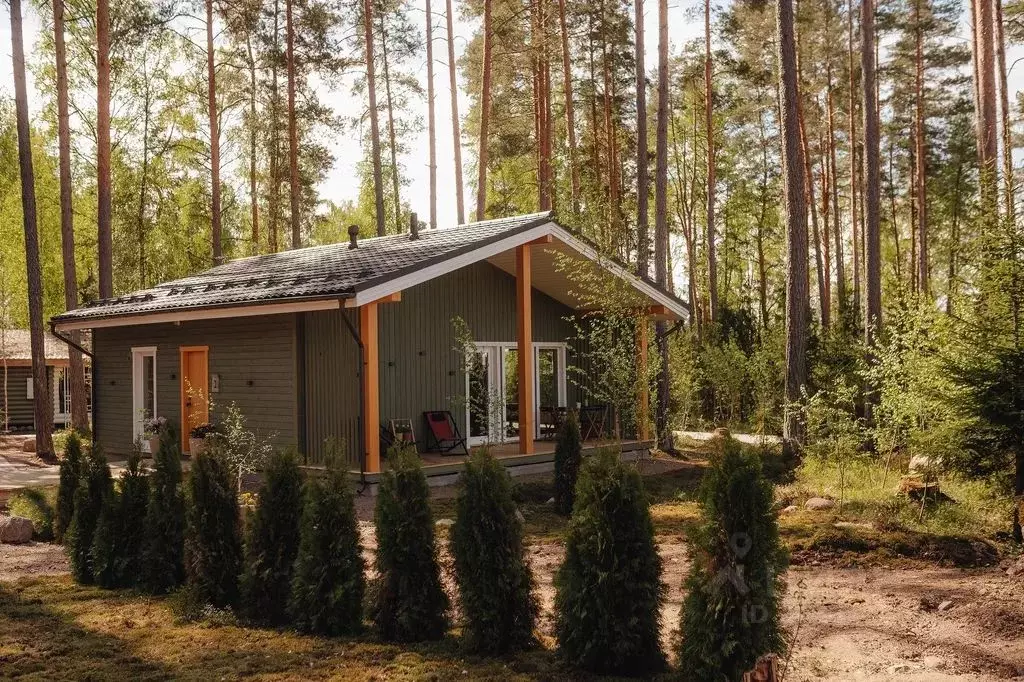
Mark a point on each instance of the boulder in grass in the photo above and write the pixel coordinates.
(819, 504)
(28, 445)
(15, 530)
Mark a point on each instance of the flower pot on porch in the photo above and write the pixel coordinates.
(196, 446)
(154, 445)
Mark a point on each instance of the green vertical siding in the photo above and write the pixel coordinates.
(15, 404)
(255, 358)
(419, 366)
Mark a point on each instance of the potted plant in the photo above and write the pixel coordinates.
(197, 438)
(153, 429)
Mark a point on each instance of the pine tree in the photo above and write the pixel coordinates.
(568, 458)
(409, 603)
(94, 488)
(70, 474)
(133, 502)
(273, 541)
(213, 545)
(328, 584)
(734, 589)
(104, 550)
(609, 589)
(491, 571)
(163, 554)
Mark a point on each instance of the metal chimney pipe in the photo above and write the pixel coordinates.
(414, 226)
(353, 236)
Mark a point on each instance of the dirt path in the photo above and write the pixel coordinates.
(848, 624)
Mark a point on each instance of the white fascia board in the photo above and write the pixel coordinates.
(201, 314)
(444, 267)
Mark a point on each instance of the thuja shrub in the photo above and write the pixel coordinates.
(494, 580)
(272, 541)
(329, 583)
(608, 588)
(70, 473)
(118, 543)
(568, 457)
(213, 544)
(408, 602)
(163, 567)
(730, 616)
(94, 487)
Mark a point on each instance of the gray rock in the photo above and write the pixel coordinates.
(519, 516)
(933, 662)
(551, 500)
(790, 509)
(920, 464)
(819, 504)
(946, 605)
(15, 530)
(28, 445)
(445, 522)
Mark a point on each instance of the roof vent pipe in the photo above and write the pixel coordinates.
(414, 226)
(353, 236)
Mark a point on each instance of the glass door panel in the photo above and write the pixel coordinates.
(479, 394)
(510, 365)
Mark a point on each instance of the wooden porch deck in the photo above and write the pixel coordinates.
(444, 469)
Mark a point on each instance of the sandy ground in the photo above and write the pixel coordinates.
(845, 624)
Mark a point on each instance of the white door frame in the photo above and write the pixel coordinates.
(138, 396)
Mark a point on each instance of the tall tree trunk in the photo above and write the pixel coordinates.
(709, 130)
(872, 236)
(431, 122)
(954, 247)
(76, 366)
(274, 200)
(643, 245)
(211, 101)
(43, 407)
(762, 266)
(485, 116)
(854, 172)
(837, 230)
(826, 252)
(144, 177)
(661, 221)
(254, 203)
(920, 159)
(570, 116)
(541, 102)
(986, 114)
(811, 202)
(797, 297)
(392, 137)
(371, 86)
(293, 131)
(1004, 111)
(614, 210)
(104, 243)
(460, 209)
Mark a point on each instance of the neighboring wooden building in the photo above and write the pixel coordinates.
(16, 390)
(282, 336)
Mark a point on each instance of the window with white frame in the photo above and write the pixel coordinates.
(143, 389)
(62, 393)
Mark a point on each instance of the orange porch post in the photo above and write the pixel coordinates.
(643, 415)
(524, 339)
(370, 381)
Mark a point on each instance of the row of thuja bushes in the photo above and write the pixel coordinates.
(301, 565)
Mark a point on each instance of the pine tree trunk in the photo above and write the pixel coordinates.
(43, 406)
(1004, 111)
(954, 247)
(643, 237)
(837, 230)
(872, 236)
(431, 122)
(211, 101)
(274, 200)
(104, 243)
(144, 178)
(811, 202)
(661, 223)
(797, 302)
(485, 116)
(76, 366)
(986, 114)
(826, 253)
(293, 131)
(570, 115)
(254, 203)
(392, 137)
(920, 159)
(614, 210)
(371, 87)
(709, 130)
(855, 230)
(762, 266)
(460, 207)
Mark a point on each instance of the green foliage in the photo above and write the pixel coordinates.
(408, 602)
(609, 589)
(328, 584)
(243, 450)
(70, 473)
(834, 432)
(731, 613)
(273, 541)
(94, 487)
(34, 504)
(568, 458)
(163, 552)
(104, 550)
(491, 571)
(213, 545)
(120, 534)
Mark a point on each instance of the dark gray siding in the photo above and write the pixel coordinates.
(419, 367)
(19, 409)
(254, 356)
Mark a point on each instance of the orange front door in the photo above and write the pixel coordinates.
(195, 390)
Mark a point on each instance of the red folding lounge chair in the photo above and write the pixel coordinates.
(443, 433)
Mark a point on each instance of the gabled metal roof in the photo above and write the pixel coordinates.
(329, 273)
